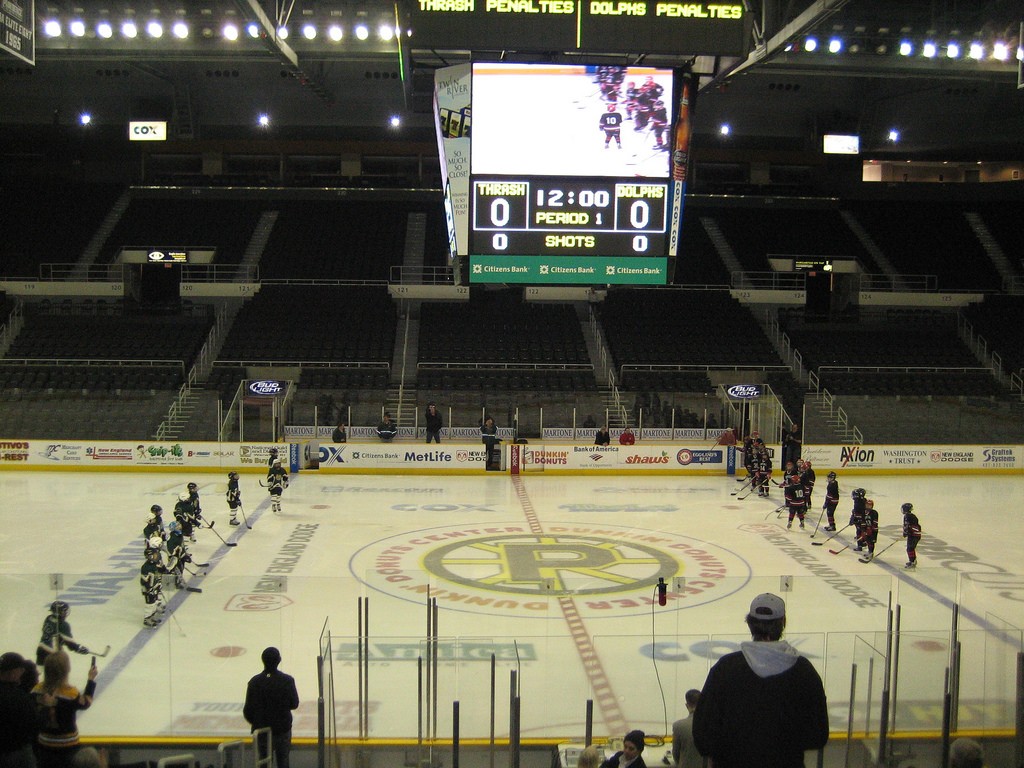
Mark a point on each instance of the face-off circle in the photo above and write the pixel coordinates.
(606, 570)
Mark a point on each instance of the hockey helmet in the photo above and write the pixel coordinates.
(807, 463)
(277, 462)
(794, 479)
(60, 608)
(859, 493)
(153, 555)
(831, 475)
(174, 527)
(156, 509)
(232, 475)
(192, 487)
(907, 508)
(183, 496)
(273, 451)
(870, 503)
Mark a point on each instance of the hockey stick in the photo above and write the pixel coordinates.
(194, 573)
(869, 558)
(244, 518)
(749, 491)
(837, 551)
(775, 511)
(818, 523)
(99, 655)
(226, 542)
(826, 541)
(746, 482)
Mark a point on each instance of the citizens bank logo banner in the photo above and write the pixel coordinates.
(511, 570)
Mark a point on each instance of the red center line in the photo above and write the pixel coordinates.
(607, 701)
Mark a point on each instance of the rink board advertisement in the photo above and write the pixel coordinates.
(142, 454)
(916, 458)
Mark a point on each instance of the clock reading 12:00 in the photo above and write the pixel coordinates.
(585, 216)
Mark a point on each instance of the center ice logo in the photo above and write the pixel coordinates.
(503, 569)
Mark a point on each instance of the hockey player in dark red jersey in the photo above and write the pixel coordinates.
(858, 515)
(659, 124)
(912, 533)
(869, 533)
(796, 502)
(831, 501)
(763, 471)
(611, 125)
(807, 478)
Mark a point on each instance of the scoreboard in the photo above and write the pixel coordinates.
(566, 175)
(600, 26)
(551, 216)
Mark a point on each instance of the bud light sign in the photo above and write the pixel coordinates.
(266, 388)
(745, 391)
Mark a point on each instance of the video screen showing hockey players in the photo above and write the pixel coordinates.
(562, 120)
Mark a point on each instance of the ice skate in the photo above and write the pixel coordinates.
(233, 521)
(911, 565)
(866, 558)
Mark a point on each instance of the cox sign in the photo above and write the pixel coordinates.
(147, 131)
(745, 391)
(266, 387)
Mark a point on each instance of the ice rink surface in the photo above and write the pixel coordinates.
(554, 577)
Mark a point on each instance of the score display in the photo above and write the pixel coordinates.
(582, 217)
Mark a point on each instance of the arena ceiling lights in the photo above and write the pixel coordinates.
(993, 51)
(195, 28)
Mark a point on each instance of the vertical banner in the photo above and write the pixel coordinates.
(680, 161)
(17, 29)
(453, 120)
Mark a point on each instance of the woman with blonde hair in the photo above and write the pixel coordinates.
(58, 703)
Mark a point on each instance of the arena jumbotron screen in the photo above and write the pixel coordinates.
(570, 177)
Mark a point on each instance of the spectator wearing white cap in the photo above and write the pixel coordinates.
(763, 705)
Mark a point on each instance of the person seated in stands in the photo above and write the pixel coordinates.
(339, 435)
(627, 437)
(602, 437)
(387, 429)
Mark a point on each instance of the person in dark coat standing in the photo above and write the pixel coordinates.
(269, 700)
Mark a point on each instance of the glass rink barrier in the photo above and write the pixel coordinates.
(559, 659)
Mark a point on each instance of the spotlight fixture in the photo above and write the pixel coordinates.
(282, 32)
(953, 51)
(263, 121)
(129, 30)
(811, 44)
(835, 45)
(77, 28)
(84, 118)
(335, 33)
(52, 28)
(929, 50)
(894, 136)
(976, 51)
(104, 30)
(906, 48)
(253, 30)
(309, 32)
(230, 32)
(155, 29)
(724, 129)
(180, 30)
(362, 32)
(1000, 51)
(385, 32)
(395, 121)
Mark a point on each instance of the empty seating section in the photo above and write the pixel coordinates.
(679, 327)
(1002, 220)
(47, 223)
(755, 233)
(226, 225)
(925, 339)
(525, 342)
(162, 349)
(698, 263)
(998, 320)
(336, 240)
(929, 238)
(310, 323)
(67, 415)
